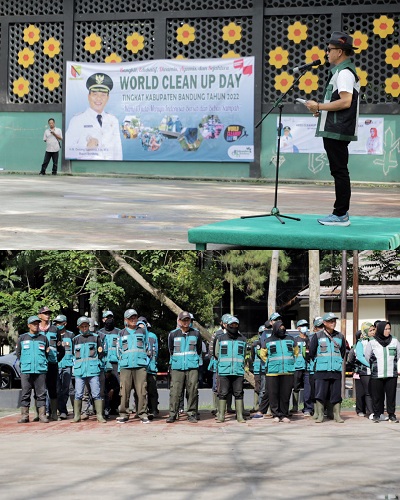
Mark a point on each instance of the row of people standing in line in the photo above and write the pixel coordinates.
(49, 354)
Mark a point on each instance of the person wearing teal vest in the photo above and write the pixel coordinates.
(338, 121)
(32, 351)
(88, 352)
(279, 352)
(258, 371)
(132, 354)
(230, 352)
(56, 353)
(185, 349)
(213, 363)
(328, 349)
(152, 369)
(111, 333)
(64, 365)
(300, 367)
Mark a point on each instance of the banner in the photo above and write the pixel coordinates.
(162, 110)
(298, 136)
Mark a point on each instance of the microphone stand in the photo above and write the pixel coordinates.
(278, 103)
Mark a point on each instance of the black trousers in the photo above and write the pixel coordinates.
(279, 389)
(328, 389)
(298, 380)
(152, 392)
(230, 384)
(363, 396)
(381, 387)
(52, 379)
(264, 404)
(338, 156)
(47, 157)
(37, 382)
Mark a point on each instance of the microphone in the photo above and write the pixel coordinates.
(298, 69)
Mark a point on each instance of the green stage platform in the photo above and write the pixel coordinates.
(364, 233)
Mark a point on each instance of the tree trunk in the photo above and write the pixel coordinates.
(273, 280)
(314, 283)
(164, 300)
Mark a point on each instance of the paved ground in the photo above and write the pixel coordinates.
(127, 213)
(256, 460)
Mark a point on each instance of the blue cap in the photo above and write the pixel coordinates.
(225, 318)
(32, 319)
(261, 328)
(329, 316)
(232, 319)
(274, 316)
(60, 319)
(318, 321)
(83, 319)
(302, 322)
(107, 313)
(129, 313)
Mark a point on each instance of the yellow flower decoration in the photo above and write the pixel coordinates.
(230, 55)
(31, 34)
(383, 26)
(21, 87)
(360, 40)
(278, 57)
(297, 32)
(393, 85)
(185, 34)
(135, 42)
(180, 56)
(113, 58)
(393, 56)
(51, 80)
(283, 81)
(26, 57)
(363, 76)
(314, 54)
(308, 82)
(93, 43)
(51, 47)
(231, 33)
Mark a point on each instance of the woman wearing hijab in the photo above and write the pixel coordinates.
(383, 352)
(279, 352)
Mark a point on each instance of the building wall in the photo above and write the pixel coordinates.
(37, 37)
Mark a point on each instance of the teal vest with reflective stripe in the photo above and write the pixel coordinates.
(152, 360)
(112, 346)
(86, 360)
(68, 359)
(231, 357)
(256, 365)
(132, 349)
(280, 357)
(328, 357)
(52, 338)
(184, 356)
(33, 356)
(300, 363)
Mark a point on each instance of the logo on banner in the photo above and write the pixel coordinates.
(239, 64)
(241, 152)
(234, 133)
(76, 71)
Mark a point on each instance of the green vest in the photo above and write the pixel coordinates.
(231, 357)
(132, 349)
(329, 358)
(184, 356)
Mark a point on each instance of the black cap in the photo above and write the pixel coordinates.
(99, 82)
(341, 40)
(44, 309)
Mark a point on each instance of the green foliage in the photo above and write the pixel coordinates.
(248, 270)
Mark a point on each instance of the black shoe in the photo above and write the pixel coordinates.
(392, 418)
(54, 173)
(376, 420)
(170, 420)
(122, 420)
(150, 416)
(42, 173)
(192, 419)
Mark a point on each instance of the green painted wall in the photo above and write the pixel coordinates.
(315, 167)
(22, 150)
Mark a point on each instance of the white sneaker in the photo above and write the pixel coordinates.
(384, 417)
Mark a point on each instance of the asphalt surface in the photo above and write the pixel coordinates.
(53, 212)
(207, 460)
